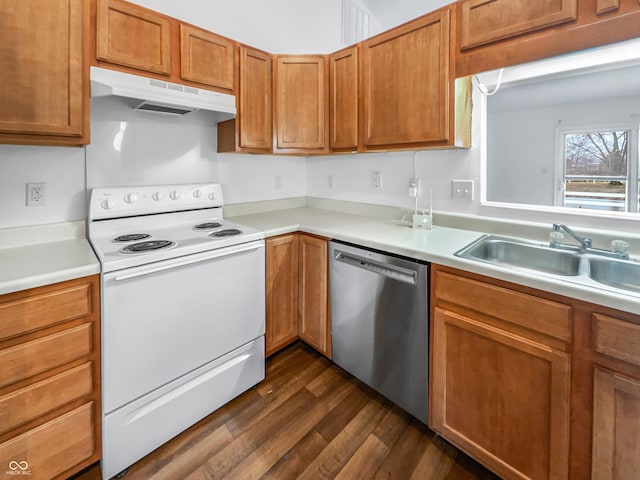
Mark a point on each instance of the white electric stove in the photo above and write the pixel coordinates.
(183, 312)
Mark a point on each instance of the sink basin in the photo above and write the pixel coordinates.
(522, 254)
(615, 273)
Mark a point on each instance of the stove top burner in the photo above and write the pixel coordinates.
(132, 237)
(208, 226)
(228, 232)
(149, 246)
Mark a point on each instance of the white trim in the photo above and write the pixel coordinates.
(631, 193)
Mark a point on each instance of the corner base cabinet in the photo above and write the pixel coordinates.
(282, 292)
(297, 285)
(50, 379)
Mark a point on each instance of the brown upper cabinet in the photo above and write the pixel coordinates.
(300, 116)
(408, 91)
(207, 58)
(132, 36)
(343, 98)
(251, 130)
(44, 84)
(501, 33)
(485, 21)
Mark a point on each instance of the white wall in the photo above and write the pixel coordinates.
(393, 13)
(251, 178)
(62, 169)
(278, 26)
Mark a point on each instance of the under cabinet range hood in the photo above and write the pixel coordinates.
(160, 96)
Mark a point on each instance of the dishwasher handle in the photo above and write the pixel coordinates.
(390, 271)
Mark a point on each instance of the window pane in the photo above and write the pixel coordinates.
(596, 170)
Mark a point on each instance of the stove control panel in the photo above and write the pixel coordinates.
(116, 202)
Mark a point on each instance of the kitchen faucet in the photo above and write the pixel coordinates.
(619, 248)
(585, 243)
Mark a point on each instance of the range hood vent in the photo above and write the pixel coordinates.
(160, 96)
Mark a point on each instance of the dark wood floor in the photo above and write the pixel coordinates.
(308, 419)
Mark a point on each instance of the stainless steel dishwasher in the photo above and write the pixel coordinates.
(379, 317)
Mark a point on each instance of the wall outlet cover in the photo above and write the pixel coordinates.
(36, 194)
(462, 189)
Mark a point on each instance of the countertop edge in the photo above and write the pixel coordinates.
(599, 296)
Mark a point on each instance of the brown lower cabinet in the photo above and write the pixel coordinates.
(531, 384)
(50, 379)
(297, 292)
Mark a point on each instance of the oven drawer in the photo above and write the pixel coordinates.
(166, 319)
(174, 407)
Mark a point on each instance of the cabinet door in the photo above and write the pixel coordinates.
(485, 21)
(606, 6)
(314, 279)
(281, 291)
(129, 35)
(300, 116)
(254, 100)
(405, 78)
(42, 91)
(502, 398)
(343, 95)
(616, 426)
(207, 58)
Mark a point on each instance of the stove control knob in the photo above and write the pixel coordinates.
(197, 193)
(107, 204)
(175, 195)
(157, 196)
(212, 196)
(131, 198)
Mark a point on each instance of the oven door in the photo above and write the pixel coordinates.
(163, 320)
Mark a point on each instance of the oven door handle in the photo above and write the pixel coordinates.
(223, 252)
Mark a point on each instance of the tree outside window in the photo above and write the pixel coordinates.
(596, 171)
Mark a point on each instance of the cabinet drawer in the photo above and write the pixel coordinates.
(485, 21)
(616, 338)
(42, 354)
(30, 313)
(537, 314)
(54, 447)
(42, 397)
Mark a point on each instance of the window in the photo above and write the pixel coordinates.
(599, 169)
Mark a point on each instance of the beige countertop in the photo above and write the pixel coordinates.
(436, 246)
(27, 262)
(35, 256)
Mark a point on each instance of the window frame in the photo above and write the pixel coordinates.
(632, 199)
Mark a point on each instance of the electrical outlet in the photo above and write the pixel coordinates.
(414, 187)
(332, 182)
(376, 179)
(277, 182)
(36, 194)
(462, 189)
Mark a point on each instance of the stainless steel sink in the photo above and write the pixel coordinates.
(576, 265)
(615, 273)
(522, 254)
